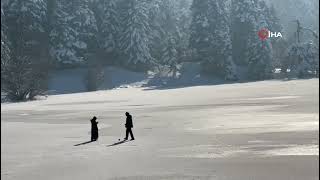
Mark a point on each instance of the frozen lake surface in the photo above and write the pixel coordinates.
(260, 130)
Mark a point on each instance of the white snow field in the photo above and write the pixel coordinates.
(264, 130)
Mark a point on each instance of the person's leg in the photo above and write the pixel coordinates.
(97, 136)
(131, 134)
(92, 136)
(127, 133)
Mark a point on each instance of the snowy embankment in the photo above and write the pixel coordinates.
(260, 130)
(74, 80)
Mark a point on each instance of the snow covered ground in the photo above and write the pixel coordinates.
(260, 130)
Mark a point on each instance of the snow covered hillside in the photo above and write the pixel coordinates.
(260, 130)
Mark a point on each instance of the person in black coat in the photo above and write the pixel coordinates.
(129, 126)
(94, 129)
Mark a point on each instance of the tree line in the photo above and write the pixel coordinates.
(40, 35)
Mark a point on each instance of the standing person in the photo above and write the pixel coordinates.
(94, 129)
(129, 126)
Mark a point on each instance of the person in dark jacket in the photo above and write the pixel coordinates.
(129, 126)
(94, 129)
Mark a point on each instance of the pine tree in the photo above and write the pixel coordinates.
(5, 50)
(170, 55)
(260, 59)
(213, 43)
(303, 60)
(279, 45)
(25, 74)
(259, 52)
(135, 36)
(243, 14)
(200, 38)
(250, 16)
(221, 61)
(110, 25)
(74, 32)
(183, 16)
(25, 20)
(161, 21)
(272, 22)
(272, 18)
(165, 34)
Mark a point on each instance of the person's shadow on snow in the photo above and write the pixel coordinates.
(117, 143)
(87, 142)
